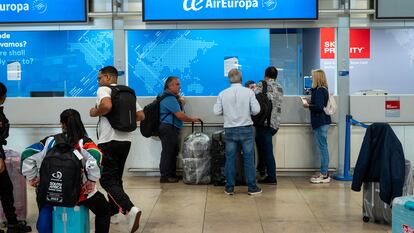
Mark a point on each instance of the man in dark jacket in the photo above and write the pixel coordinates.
(381, 159)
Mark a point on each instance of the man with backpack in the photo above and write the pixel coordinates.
(268, 125)
(118, 112)
(171, 118)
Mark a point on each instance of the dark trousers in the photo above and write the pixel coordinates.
(97, 204)
(102, 210)
(6, 196)
(264, 145)
(169, 136)
(115, 155)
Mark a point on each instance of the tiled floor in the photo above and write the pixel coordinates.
(294, 205)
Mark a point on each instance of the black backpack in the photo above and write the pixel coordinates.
(60, 175)
(265, 107)
(123, 113)
(149, 126)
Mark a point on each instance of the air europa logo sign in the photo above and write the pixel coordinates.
(39, 6)
(14, 7)
(197, 5)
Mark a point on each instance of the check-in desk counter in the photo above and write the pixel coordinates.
(397, 110)
(33, 119)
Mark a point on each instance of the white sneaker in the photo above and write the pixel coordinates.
(115, 219)
(133, 219)
(317, 174)
(320, 179)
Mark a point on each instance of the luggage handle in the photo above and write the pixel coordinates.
(409, 205)
(202, 126)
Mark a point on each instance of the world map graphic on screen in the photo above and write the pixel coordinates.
(54, 61)
(197, 57)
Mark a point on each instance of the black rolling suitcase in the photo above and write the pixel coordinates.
(218, 160)
(373, 208)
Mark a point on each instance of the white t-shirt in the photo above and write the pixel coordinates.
(105, 131)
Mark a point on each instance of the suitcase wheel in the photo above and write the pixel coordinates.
(365, 219)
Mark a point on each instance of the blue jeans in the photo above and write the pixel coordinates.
(235, 138)
(264, 144)
(320, 135)
(45, 219)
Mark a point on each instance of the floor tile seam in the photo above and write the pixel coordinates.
(259, 215)
(308, 205)
(205, 209)
(150, 214)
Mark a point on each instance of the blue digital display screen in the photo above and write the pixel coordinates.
(54, 61)
(42, 11)
(200, 58)
(199, 10)
(307, 82)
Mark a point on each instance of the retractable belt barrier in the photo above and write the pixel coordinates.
(347, 158)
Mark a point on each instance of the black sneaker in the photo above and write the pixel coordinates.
(262, 173)
(254, 191)
(229, 191)
(18, 228)
(267, 180)
(179, 177)
(168, 180)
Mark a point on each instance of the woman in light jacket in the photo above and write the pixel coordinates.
(320, 122)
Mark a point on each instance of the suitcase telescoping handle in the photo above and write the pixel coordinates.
(202, 126)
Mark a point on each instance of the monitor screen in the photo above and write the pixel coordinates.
(307, 82)
(47, 94)
(204, 10)
(395, 9)
(43, 11)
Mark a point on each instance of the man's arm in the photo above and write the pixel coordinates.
(254, 104)
(140, 115)
(183, 117)
(2, 165)
(104, 108)
(218, 106)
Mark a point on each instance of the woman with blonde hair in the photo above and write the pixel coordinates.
(320, 122)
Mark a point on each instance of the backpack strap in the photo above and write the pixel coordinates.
(80, 143)
(327, 99)
(160, 98)
(264, 91)
(264, 86)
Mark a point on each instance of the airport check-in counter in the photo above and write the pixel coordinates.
(32, 119)
(397, 110)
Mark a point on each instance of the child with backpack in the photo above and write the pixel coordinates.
(40, 159)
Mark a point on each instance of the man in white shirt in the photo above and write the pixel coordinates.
(237, 104)
(115, 145)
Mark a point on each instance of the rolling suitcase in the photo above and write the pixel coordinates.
(196, 158)
(218, 161)
(70, 220)
(373, 208)
(19, 186)
(403, 214)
